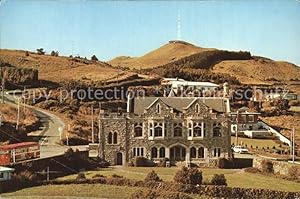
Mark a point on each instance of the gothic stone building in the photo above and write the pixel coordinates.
(190, 129)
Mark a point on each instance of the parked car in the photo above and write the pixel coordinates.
(240, 149)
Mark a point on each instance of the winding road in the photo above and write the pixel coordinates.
(49, 136)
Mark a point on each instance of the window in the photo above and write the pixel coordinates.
(115, 140)
(201, 152)
(154, 152)
(158, 131)
(197, 108)
(217, 152)
(162, 152)
(1, 175)
(250, 118)
(138, 151)
(190, 129)
(217, 131)
(197, 131)
(109, 138)
(158, 110)
(138, 130)
(151, 129)
(177, 130)
(193, 152)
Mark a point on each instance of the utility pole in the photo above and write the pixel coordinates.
(93, 136)
(293, 145)
(18, 115)
(48, 173)
(236, 130)
(3, 83)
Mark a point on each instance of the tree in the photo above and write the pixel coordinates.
(219, 180)
(40, 51)
(152, 176)
(54, 53)
(26, 53)
(94, 58)
(188, 176)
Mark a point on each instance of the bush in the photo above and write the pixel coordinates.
(152, 176)
(223, 163)
(149, 194)
(267, 166)
(94, 58)
(162, 162)
(219, 180)
(116, 176)
(188, 176)
(80, 176)
(40, 51)
(24, 179)
(142, 162)
(98, 176)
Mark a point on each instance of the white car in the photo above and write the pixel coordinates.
(240, 149)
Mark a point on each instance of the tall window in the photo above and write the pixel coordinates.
(217, 130)
(197, 108)
(154, 152)
(158, 110)
(138, 129)
(162, 152)
(217, 152)
(197, 131)
(201, 152)
(193, 152)
(138, 151)
(178, 130)
(158, 129)
(109, 138)
(115, 140)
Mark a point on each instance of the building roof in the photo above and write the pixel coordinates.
(178, 103)
(6, 169)
(17, 145)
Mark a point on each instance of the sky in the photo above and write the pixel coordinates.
(269, 28)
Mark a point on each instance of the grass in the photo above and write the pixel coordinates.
(235, 177)
(260, 143)
(78, 190)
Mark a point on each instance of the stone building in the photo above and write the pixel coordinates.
(190, 129)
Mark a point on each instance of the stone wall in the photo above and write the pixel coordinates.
(279, 167)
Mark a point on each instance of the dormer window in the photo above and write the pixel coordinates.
(197, 108)
(158, 108)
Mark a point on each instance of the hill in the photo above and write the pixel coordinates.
(60, 68)
(177, 56)
(170, 52)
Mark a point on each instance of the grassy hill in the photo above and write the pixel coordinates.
(60, 68)
(176, 56)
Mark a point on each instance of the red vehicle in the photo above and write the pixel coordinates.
(13, 153)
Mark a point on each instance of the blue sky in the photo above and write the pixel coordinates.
(113, 28)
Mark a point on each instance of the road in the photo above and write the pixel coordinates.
(49, 136)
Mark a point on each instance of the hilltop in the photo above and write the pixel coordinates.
(61, 68)
(167, 53)
(177, 55)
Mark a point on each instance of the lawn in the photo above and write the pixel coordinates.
(78, 190)
(235, 177)
(260, 143)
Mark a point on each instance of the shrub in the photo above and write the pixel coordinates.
(162, 162)
(116, 176)
(188, 176)
(142, 162)
(149, 194)
(94, 58)
(80, 176)
(40, 51)
(26, 53)
(24, 179)
(267, 166)
(219, 179)
(152, 176)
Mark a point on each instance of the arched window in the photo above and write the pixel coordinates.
(158, 131)
(138, 130)
(201, 152)
(162, 152)
(193, 152)
(115, 140)
(217, 131)
(158, 108)
(178, 130)
(197, 131)
(154, 152)
(109, 138)
(197, 108)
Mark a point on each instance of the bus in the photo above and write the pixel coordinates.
(14, 153)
